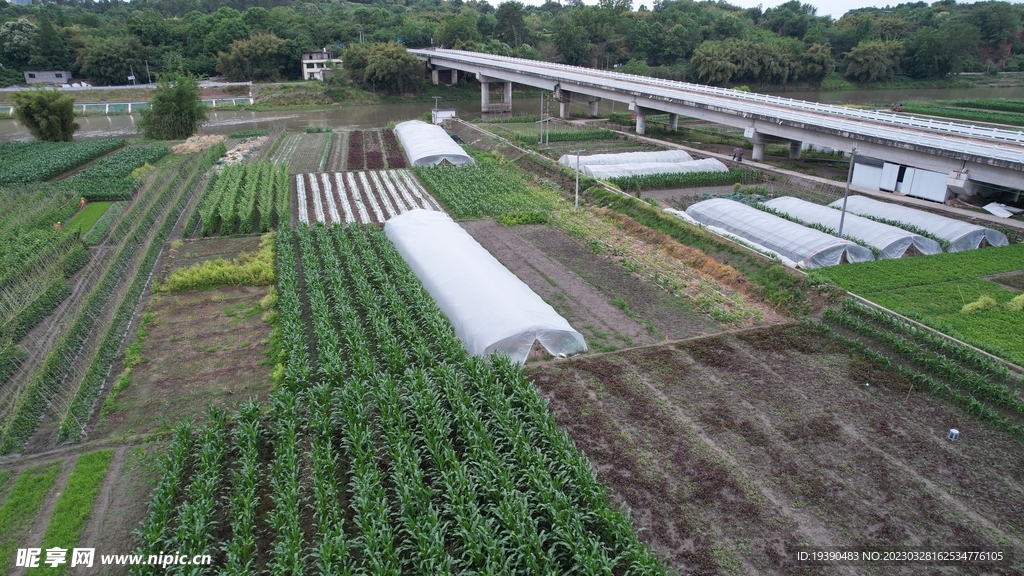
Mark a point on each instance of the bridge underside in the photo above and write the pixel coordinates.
(757, 129)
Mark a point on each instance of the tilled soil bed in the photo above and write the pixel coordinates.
(732, 451)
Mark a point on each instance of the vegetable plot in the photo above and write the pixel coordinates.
(245, 198)
(370, 197)
(406, 455)
(38, 161)
(110, 178)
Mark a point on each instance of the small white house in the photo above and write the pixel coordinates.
(55, 77)
(315, 64)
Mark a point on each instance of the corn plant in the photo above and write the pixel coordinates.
(240, 551)
(155, 532)
(287, 555)
(330, 553)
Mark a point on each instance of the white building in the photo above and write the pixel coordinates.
(314, 64)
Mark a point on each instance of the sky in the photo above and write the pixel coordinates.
(833, 8)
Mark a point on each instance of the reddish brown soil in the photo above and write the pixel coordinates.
(732, 450)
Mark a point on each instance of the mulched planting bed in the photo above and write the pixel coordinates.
(734, 449)
(355, 159)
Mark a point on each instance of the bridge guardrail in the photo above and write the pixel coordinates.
(786, 107)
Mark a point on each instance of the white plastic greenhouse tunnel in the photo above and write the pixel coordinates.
(960, 235)
(890, 241)
(646, 168)
(808, 247)
(491, 309)
(626, 158)
(428, 145)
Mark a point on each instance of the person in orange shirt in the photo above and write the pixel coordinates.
(81, 203)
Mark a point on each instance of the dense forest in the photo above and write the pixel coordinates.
(711, 42)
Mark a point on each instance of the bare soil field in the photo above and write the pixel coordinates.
(202, 347)
(732, 451)
(611, 308)
(307, 154)
(339, 152)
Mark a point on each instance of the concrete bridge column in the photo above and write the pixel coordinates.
(434, 76)
(454, 77)
(592, 107)
(673, 122)
(508, 97)
(758, 153)
(641, 120)
(563, 107)
(794, 150)
(485, 96)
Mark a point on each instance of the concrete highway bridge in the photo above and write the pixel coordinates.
(969, 154)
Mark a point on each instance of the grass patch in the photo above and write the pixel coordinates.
(19, 509)
(776, 285)
(247, 270)
(87, 217)
(75, 504)
(98, 231)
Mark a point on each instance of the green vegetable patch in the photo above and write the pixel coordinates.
(88, 216)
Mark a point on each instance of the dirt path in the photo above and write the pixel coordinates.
(91, 533)
(580, 304)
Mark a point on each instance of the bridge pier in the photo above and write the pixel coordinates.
(758, 153)
(435, 75)
(794, 149)
(673, 122)
(485, 96)
(641, 120)
(566, 98)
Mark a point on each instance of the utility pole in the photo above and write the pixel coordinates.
(148, 76)
(849, 176)
(576, 205)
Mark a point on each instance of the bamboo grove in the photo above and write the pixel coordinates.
(384, 448)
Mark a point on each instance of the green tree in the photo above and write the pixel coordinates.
(457, 31)
(47, 114)
(818, 63)
(18, 42)
(997, 21)
(110, 61)
(936, 52)
(872, 61)
(356, 57)
(391, 68)
(573, 43)
(511, 23)
(51, 53)
(711, 63)
(682, 39)
(261, 57)
(175, 112)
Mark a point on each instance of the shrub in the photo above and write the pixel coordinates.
(1017, 304)
(982, 304)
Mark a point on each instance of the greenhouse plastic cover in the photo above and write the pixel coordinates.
(624, 170)
(733, 237)
(892, 242)
(808, 247)
(427, 144)
(626, 158)
(960, 235)
(490, 308)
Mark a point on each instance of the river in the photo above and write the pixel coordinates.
(380, 115)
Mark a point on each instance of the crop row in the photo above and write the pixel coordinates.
(28, 236)
(374, 154)
(888, 275)
(442, 463)
(686, 180)
(355, 160)
(392, 151)
(1002, 104)
(110, 178)
(357, 196)
(972, 382)
(181, 187)
(940, 345)
(243, 198)
(1011, 118)
(39, 161)
(579, 135)
(255, 133)
(941, 390)
(486, 189)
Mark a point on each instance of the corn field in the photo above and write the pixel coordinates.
(384, 448)
(245, 199)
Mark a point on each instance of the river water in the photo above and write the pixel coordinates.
(378, 116)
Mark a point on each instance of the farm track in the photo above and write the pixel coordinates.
(366, 197)
(40, 340)
(45, 435)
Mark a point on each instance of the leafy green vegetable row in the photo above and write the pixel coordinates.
(39, 161)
